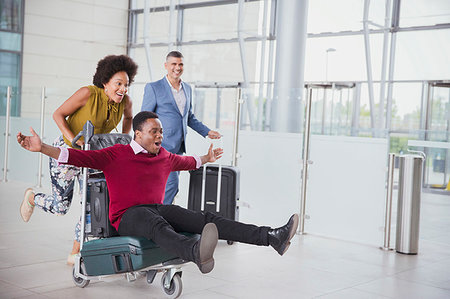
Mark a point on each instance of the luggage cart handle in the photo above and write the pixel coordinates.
(87, 133)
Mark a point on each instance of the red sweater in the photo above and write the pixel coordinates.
(132, 179)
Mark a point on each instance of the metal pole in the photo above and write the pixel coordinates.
(41, 133)
(8, 116)
(394, 29)
(324, 110)
(86, 147)
(241, 41)
(306, 139)
(355, 109)
(218, 105)
(333, 87)
(236, 128)
(384, 63)
(387, 218)
(146, 37)
(261, 75)
(369, 66)
(171, 25)
(270, 66)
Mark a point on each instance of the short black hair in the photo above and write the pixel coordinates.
(112, 64)
(140, 118)
(176, 54)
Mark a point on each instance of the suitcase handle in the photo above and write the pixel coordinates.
(126, 258)
(219, 182)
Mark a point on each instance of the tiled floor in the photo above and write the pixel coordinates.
(32, 263)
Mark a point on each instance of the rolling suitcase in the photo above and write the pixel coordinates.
(121, 255)
(215, 188)
(97, 209)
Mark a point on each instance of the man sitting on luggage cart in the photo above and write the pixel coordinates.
(136, 175)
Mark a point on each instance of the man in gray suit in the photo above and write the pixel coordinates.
(171, 100)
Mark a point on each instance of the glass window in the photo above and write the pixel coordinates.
(423, 55)
(210, 22)
(11, 30)
(406, 107)
(9, 76)
(218, 62)
(11, 15)
(422, 13)
(158, 31)
(10, 41)
(333, 16)
(341, 58)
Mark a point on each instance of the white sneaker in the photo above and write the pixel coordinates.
(26, 208)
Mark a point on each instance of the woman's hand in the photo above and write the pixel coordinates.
(80, 143)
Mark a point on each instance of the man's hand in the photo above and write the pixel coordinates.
(214, 134)
(32, 143)
(212, 156)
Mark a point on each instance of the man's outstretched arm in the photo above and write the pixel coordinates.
(98, 159)
(33, 143)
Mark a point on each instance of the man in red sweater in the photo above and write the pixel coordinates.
(136, 175)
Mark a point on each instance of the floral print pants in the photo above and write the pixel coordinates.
(63, 180)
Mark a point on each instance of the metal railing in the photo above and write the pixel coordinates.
(7, 135)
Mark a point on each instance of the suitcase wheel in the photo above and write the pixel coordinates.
(230, 242)
(175, 288)
(80, 282)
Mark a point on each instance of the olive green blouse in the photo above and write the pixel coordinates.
(104, 116)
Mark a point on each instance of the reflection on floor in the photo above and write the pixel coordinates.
(33, 256)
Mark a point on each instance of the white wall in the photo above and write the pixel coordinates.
(63, 41)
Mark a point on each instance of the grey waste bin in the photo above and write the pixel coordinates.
(408, 209)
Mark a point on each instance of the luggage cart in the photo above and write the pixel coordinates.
(131, 257)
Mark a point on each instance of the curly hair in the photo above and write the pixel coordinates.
(110, 65)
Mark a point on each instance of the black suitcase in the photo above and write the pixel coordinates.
(229, 190)
(97, 209)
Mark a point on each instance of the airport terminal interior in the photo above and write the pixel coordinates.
(336, 110)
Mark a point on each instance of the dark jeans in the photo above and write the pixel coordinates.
(161, 223)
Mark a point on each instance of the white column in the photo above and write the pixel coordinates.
(286, 114)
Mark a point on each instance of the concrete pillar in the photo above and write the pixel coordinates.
(287, 109)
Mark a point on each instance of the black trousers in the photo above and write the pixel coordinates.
(161, 223)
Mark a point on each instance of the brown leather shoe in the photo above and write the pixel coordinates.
(204, 248)
(26, 208)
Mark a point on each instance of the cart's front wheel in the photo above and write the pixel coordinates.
(80, 282)
(176, 286)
